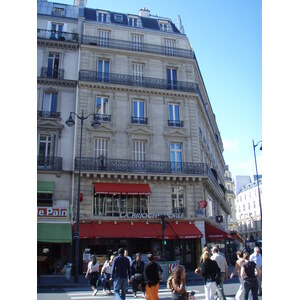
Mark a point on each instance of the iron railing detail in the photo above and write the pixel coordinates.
(57, 35)
(136, 46)
(175, 123)
(135, 120)
(148, 82)
(104, 117)
(50, 163)
(48, 114)
(52, 73)
(179, 210)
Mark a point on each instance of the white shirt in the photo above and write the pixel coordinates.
(257, 259)
(221, 261)
(93, 268)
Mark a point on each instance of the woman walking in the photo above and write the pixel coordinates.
(209, 270)
(106, 273)
(249, 277)
(177, 283)
(237, 269)
(93, 272)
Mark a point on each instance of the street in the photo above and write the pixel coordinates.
(230, 287)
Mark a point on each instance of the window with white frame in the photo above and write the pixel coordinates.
(102, 17)
(176, 156)
(177, 195)
(100, 147)
(49, 104)
(139, 112)
(56, 30)
(46, 148)
(102, 105)
(163, 25)
(132, 21)
(58, 11)
(172, 78)
(104, 36)
(103, 70)
(138, 73)
(137, 42)
(174, 118)
(170, 46)
(138, 150)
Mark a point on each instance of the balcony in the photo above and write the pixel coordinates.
(135, 46)
(135, 120)
(49, 163)
(175, 123)
(148, 82)
(48, 114)
(179, 210)
(52, 73)
(57, 35)
(104, 117)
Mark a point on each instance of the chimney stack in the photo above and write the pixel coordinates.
(80, 3)
(144, 12)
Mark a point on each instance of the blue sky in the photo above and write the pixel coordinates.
(227, 39)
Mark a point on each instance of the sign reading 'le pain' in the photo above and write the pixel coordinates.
(52, 212)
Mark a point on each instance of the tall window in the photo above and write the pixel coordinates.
(104, 36)
(101, 105)
(138, 73)
(137, 42)
(49, 104)
(170, 46)
(138, 112)
(133, 22)
(46, 146)
(103, 70)
(176, 156)
(177, 199)
(53, 65)
(56, 30)
(172, 78)
(138, 150)
(174, 119)
(102, 17)
(100, 147)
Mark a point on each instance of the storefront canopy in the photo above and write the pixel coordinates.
(45, 187)
(54, 232)
(186, 230)
(214, 233)
(122, 188)
(238, 237)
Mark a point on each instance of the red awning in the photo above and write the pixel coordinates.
(122, 188)
(214, 233)
(186, 230)
(238, 237)
(124, 230)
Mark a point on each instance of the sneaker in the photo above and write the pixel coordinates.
(95, 292)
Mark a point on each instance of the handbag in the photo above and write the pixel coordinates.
(138, 276)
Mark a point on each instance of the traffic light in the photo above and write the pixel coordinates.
(165, 242)
(164, 223)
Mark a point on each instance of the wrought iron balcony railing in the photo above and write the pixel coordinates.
(135, 120)
(104, 117)
(52, 73)
(175, 123)
(57, 35)
(148, 82)
(48, 114)
(50, 163)
(136, 46)
(179, 210)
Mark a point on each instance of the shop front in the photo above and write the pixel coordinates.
(103, 238)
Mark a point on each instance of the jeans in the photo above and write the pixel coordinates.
(210, 289)
(220, 290)
(240, 293)
(120, 284)
(251, 284)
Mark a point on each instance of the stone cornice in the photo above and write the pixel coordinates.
(47, 43)
(57, 82)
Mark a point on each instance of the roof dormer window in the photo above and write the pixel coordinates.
(102, 17)
(133, 21)
(118, 18)
(163, 25)
(58, 11)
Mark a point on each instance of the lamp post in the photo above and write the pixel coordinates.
(95, 124)
(254, 146)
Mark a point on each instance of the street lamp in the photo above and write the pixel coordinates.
(95, 124)
(254, 146)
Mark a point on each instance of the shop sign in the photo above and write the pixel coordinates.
(219, 219)
(150, 216)
(202, 204)
(52, 212)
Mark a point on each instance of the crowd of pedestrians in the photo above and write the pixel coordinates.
(118, 272)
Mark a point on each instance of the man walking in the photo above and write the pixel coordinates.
(120, 275)
(222, 264)
(257, 258)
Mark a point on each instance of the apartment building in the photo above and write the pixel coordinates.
(158, 150)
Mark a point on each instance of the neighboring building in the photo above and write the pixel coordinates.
(248, 211)
(158, 150)
(230, 196)
(240, 181)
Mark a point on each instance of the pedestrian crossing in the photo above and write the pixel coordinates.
(164, 293)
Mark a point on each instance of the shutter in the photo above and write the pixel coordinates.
(53, 102)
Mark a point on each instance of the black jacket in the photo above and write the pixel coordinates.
(209, 270)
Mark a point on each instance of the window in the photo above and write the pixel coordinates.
(49, 104)
(248, 206)
(56, 30)
(133, 22)
(170, 47)
(118, 18)
(174, 119)
(138, 112)
(172, 78)
(138, 73)
(119, 205)
(138, 150)
(163, 26)
(100, 147)
(244, 208)
(104, 36)
(101, 105)
(102, 17)
(176, 156)
(53, 65)
(177, 199)
(137, 42)
(46, 146)
(58, 11)
(254, 206)
(103, 70)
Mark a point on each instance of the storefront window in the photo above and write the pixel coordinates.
(119, 205)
